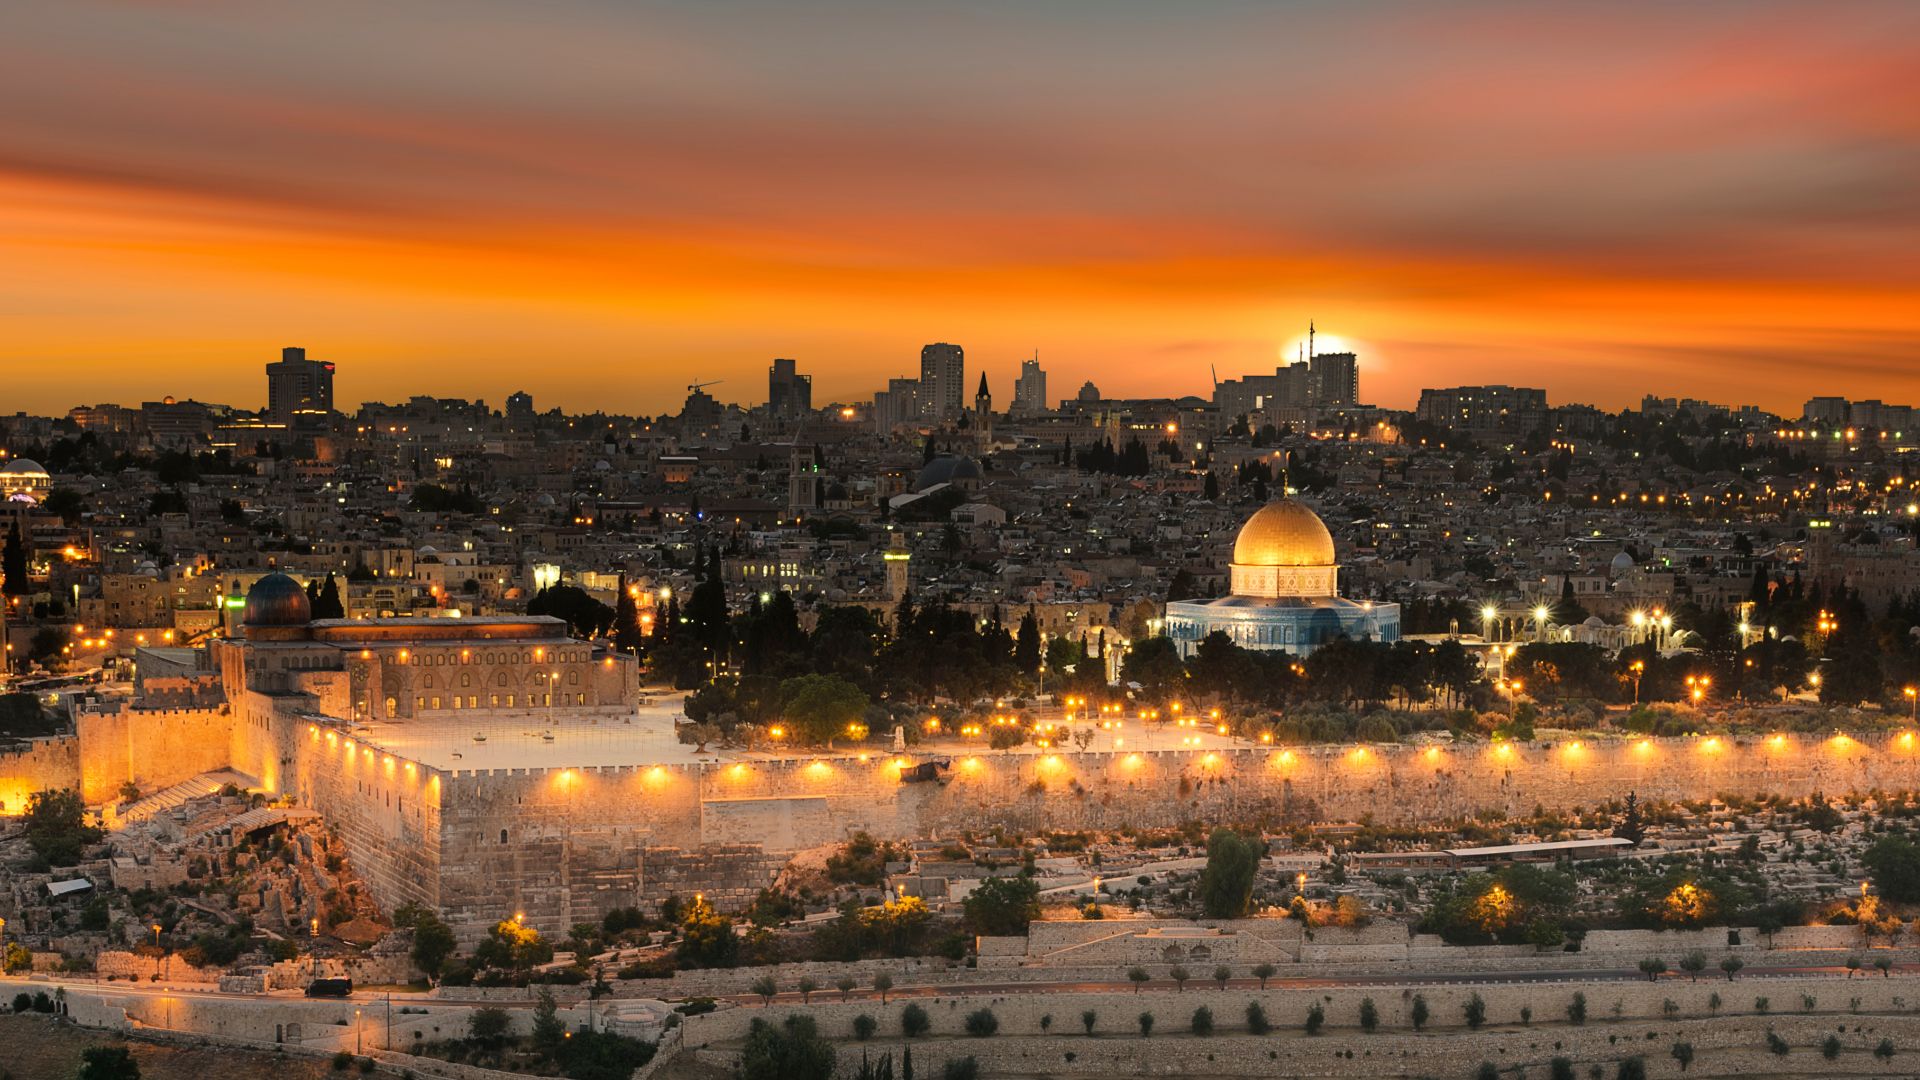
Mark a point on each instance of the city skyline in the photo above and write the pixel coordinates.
(607, 204)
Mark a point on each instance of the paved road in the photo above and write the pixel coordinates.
(12, 985)
(1201, 985)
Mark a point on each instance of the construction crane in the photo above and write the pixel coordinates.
(694, 388)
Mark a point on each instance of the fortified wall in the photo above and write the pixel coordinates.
(564, 844)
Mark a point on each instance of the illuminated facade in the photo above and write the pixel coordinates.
(1284, 591)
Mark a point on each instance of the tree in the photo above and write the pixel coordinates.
(1577, 1009)
(1693, 964)
(327, 604)
(1369, 1015)
(433, 944)
(864, 1026)
(764, 988)
(626, 620)
(1138, 976)
(1180, 975)
(706, 936)
(488, 1026)
(845, 985)
(914, 1021)
(1087, 1020)
(1002, 907)
(819, 707)
(1633, 1068)
(1263, 971)
(13, 563)
(57, 828)
(1316, 1018)
(108, 1063)
(1221, 974)
(1420, 1012)
(981, 1023)
(1257, 1022)
(1146, 1025)
(794, 1050)
(1731, 965)
(1226, 886)
(883, 982)
(1653, 967)
(1202, 1021)
(1475, 1010)
(1683, 1053)
(1893, 863)
(549, 1031)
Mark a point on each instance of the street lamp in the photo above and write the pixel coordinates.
(1913, 704)
(1486, 622)
(1512, 687)
(1697, 687)
(1639, 669)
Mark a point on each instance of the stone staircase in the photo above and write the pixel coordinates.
(170, 797)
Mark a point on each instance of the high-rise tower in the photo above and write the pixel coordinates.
(943, 374)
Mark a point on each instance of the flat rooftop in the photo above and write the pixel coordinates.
(571, 740)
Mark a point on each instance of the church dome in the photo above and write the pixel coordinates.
(1284, 533)
(277, 600)
(947, 469)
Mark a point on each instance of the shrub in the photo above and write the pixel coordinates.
(342, 1061)
(1560, 1069)
(1884, 1051)
(1087, 1020)
(965, 1068)
(1420, 1012)
(864, 1026)
(1369, 1015)
(914, 1021)
(1257, 1022)
(1203, 1021)
(1316, 1018)
(1830, 1047)
(1683, 1053)
(1633, 1068)
(1487, 1071)
(1761, 1005)
(982, 1023)
(1046, 1022)
(1475, 1010)
(1577, 1009)
(1146, 1025)
(1777, 1044)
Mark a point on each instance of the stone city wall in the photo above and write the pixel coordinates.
(48, 764)
(385, 808)
(566, 844)
(153, 748)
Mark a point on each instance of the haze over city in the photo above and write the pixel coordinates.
(600, 202)
(631, 540)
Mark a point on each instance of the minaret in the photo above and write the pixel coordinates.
(896, 557)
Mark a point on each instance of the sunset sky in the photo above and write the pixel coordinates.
(600, 201)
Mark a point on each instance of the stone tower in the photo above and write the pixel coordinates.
(896, 557)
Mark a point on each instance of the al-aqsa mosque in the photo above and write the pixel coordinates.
(1284, 591)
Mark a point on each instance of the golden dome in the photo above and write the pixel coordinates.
(1283, 533)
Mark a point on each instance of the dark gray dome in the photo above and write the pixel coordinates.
(946, 469)
(277, 600)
